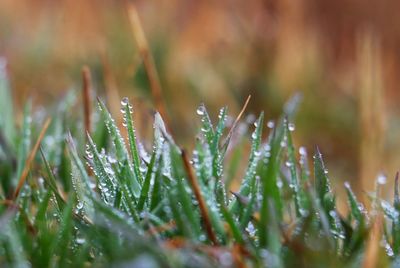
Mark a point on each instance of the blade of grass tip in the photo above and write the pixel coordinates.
(355, 206)
(207, 128)
(230, 133)
(322, 185)
(323, 189)
(118, 141)
(120, 147)
(255, 155)
(148, 61)
(200, 200)
(129, 124)
(30, 158)
(219, 130)
(86, 88)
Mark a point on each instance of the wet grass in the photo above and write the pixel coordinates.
(102, 198)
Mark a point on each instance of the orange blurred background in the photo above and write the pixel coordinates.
(343, 56)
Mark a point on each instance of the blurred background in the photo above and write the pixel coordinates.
(343, 56)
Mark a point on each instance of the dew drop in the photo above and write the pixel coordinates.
(124, 101)
(200, 110)
(303, 151)
(89, 155)
(79, 205)
(80, 240)
(271, 124)
(291, 127)
(288, 164)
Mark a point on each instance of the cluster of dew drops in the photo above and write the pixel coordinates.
(124, 104)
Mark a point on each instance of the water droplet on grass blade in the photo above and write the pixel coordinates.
(302, 151)
(79, 205)
(200, 110)
(80, 240)
(124, 101)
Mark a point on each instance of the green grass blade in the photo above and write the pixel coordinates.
(115, 135)
(355, 206)
(119, 145)
(51, 181)
(234, 226)
(207, 128)
(25, 142)
(322, 184)
(291, 164)
(146, 185)
(103, 171)
(129, 124)
(255, 154)
(219, 130)
(269, 183)
(7, 123)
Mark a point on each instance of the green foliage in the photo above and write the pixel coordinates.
(126, 208)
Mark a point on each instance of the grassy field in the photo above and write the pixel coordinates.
(79, 190)
(91, 179)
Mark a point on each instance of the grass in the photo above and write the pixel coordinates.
(103, 199)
